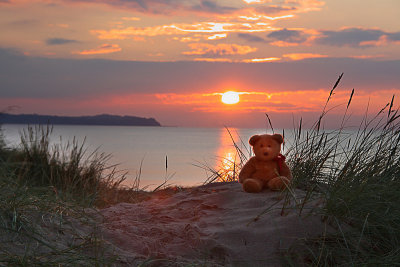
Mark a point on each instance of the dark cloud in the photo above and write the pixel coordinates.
(290, 36)
(350, 37)
(273, 10)
(213, 7)
(166, 7)
(394, 36)
(60, 41)
(34, 77)
(143, 6)
(251, 37)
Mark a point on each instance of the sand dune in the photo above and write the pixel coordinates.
(212, 225)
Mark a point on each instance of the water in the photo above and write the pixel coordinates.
(129, 146)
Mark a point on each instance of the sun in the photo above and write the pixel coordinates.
(230, 97)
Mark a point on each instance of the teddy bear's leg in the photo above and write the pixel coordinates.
(278, 183)
(253, 185)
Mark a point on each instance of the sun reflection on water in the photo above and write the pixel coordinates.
(228, 162)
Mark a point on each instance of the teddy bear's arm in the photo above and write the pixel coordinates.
(285, 171)
(247, 170)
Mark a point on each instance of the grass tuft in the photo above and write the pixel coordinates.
(355, 173)
(48, 196)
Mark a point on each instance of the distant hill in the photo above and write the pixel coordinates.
(103, 119)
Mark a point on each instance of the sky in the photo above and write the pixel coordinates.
(173, 59)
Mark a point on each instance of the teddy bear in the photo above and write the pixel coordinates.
(267, 169)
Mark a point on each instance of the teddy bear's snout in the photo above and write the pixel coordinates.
(265, 153)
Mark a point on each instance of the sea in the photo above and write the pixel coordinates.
(176, 155)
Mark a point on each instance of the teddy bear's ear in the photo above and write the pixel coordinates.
(278, 138)
(253, 140)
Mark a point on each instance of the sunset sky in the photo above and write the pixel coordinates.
(173, 59)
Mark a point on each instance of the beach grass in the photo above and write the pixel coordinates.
(48, 196)
(356, 171)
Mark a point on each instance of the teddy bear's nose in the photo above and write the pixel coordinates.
(265, 153)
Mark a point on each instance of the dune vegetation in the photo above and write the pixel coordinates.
(355, 172)
(48, 194)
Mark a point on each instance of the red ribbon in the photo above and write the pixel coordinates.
(280, 159)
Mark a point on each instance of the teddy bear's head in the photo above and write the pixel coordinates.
(266, 147)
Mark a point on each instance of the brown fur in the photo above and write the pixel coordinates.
(261, 171)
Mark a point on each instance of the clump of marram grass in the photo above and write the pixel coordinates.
(355, 174)
(67, 168)
(39, 227)
(44, 192)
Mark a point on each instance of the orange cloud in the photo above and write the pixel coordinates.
(204, 49)
(103, 49)
(300, 56)
(181, 29)
(131, 18)
(252, 101)
(217, 36)
(283, 44)
(186, 39)
(206, 59)
(383, 40)
(259, 60)
(282, 102)
(255, 1)
(367, 56)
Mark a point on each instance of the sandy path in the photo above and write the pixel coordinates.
(210, 225)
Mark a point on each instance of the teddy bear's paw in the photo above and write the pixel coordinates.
(278, 183)
(252, 185)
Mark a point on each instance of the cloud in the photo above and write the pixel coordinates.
(212, 7)
(165, 7)
(103, 49)
(301, 56)
(217, 36)
(367, 56)
(275, 10)
(206, 59)
(251, 37)
(255, 1)
(60, 41)
(180, 29)
(260, 60)
(357, 37)
(395, 37)
(206, 8)
(131, 32)
(290, 7)
(209, 50)
(131, 18)
(288, 36)
(89, 77)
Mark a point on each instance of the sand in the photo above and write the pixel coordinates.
(213, 225)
